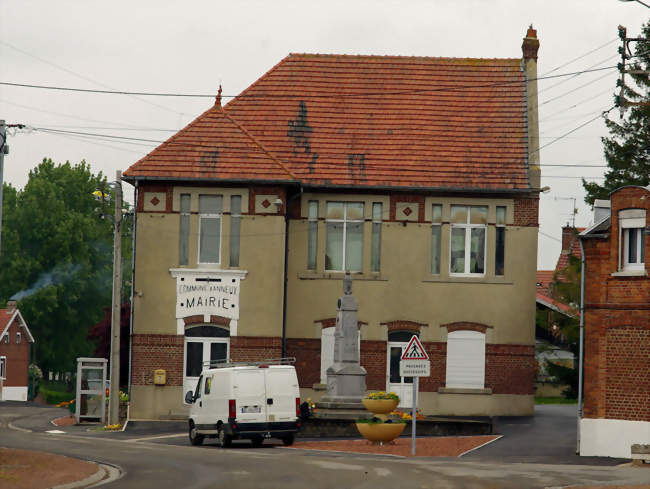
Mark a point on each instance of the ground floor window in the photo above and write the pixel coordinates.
(3, 367)
(204, 345)
(465, 360)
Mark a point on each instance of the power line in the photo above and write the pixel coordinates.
(575, 89)
(575, 129)
(271, 96)
(582, 56)
(549, 236)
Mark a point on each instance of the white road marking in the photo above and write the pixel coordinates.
(336, 465)
(480, 446)
(56, 432)
(157, 437)
(382, 471)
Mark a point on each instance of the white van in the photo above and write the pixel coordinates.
(251, 401)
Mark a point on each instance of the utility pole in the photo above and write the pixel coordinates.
(114, 393)
(626, 53)
(4, 150)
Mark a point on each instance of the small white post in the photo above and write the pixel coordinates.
(416, 381)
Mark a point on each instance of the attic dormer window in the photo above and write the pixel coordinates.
(632, 239)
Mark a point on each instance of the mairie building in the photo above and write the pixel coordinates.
(418, 175)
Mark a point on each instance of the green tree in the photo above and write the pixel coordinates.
(56, 259)
(627, 150)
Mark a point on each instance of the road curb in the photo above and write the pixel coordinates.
(96, 477)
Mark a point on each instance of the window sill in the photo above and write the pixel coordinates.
(630, 273)
(339, 276)
(458, 390)
(469, 280)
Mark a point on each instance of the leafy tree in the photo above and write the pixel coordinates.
(627, 150)
(56, 259)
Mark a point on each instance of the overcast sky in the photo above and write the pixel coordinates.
(191, 47)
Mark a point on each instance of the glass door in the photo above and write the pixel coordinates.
(197, 351)
(402, 386)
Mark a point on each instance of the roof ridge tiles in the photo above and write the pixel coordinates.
(397, 56)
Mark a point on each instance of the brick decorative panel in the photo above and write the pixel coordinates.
(255, 349)
(527, 212)
(510, 369)
(399, 203)
(481, 328)
(155, 198)
(627, 391)
(154, 351)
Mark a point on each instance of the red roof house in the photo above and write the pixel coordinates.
(15, 341)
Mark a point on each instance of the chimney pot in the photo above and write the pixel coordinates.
(11, 306)
(530, 45)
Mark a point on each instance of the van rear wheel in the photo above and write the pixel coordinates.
(225, 440)
(195, 438)
(257, 440)
(287, 441)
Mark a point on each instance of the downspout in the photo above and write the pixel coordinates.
(286, 271)
(582, 335)
(133, 230)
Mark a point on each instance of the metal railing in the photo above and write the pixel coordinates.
(230, 363)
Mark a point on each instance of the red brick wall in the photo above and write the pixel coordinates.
(17, 356)
(307, 353)
(527, 211)
(373, 359)
(510, 369)
(255, 349)
(154, 351)
(617, 324)
(627, 389)
(438, 354)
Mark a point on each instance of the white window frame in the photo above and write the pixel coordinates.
(437, 225)
(3, 367)
(208, 216)
(18, 337)
(345, 222)
(468, 242)
(459, 343)
(631, 219)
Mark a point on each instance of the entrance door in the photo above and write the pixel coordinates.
(402, 386)
(197, 351)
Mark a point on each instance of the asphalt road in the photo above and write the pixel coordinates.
(168, 461)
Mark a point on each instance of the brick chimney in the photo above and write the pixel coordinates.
(11, 306)
(568, 235)
(529, 49)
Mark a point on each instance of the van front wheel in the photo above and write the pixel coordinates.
(195, 438)
(287, 441)
(225, 440)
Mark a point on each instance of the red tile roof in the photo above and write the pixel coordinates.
(370, 121)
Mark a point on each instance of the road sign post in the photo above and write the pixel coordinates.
(414, 363)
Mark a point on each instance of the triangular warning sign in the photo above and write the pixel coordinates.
(415, 350)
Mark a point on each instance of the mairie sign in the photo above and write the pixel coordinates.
(415, 361)
(208, 294)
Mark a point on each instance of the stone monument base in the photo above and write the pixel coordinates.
(332, 409)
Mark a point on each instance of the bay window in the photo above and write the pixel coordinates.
(468, 240)
(344, 236)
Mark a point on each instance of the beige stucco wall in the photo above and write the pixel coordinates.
(157, 402)
(405, 289)
(261, 255)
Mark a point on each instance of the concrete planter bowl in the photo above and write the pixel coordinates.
(380, 406)
(380, 432)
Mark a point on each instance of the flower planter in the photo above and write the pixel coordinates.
(380, 432)
(380, 406)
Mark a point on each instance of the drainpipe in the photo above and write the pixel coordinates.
(582, 335)
(134, 226)
(286, 270)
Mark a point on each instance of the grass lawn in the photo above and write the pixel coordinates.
(554, 400)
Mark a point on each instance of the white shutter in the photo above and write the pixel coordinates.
(466, 360)
(326, 352)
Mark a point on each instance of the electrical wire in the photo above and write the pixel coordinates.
(575, 89)
(302, 96)
(575, 129)
(582, 56)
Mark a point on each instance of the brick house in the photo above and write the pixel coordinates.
(419, 175)
(15, 341)
(616, 412)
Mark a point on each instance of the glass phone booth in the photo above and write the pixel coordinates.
(91, 390)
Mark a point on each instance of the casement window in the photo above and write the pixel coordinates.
(500, 245)
(18, 337)
(235, 225)
(632, 239)
(375, 249)
(465, 360)
(184, 234)
(6, 338)
(468, 232)
(312, 234)
(344, 236)
(3, 367)
(210, 207)
(436, 236)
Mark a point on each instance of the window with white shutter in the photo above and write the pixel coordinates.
(465, 360)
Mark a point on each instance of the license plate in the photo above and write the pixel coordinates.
(251, 409)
